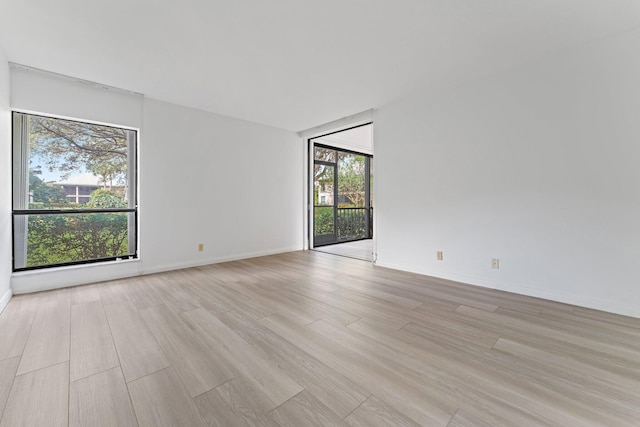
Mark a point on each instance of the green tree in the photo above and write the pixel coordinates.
(45, 193)
(351, 179)
(103, 199)
(56, 239)
(69, 146)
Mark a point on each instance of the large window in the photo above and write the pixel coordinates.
(74, 192)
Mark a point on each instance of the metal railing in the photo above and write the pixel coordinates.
(354, 223)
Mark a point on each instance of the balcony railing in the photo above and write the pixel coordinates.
(353, 224)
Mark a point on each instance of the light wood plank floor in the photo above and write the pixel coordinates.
(311, 339)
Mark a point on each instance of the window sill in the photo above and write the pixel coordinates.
(73, 275)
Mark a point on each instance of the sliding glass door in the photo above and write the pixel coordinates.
(324, 196)
(342, 208)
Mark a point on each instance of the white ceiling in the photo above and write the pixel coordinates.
(295, 64)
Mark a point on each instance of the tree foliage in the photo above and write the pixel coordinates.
(103, 199)
(351, 176)
(68, 146)
(45, 193)
(63, 238)
(351, 179)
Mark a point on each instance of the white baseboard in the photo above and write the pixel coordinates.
(565, 298)
(5, 299)
(215, 260)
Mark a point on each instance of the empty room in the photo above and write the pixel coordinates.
(333, 213)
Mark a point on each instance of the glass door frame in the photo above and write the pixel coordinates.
(326, 239)
(313, 241)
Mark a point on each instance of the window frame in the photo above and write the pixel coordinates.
(133, 252)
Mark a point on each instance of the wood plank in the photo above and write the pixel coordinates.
(305, 409)
(603, 316)
(139, 352)
(160, 399)
(333, 389)
(174, 296)
(547, 398)
(313, 285)
(8, 368)
(365, 307)
(271, 384)
(261, 298)
(465, 419)
(450, 323)
(113, 292)
(239, 302)
(101, 400)
(92, 348)
(229, 405)
(601, 331)
(609, 352)
(48, 342)
(622, 392)
(405, 395)
(406, 369)
(199, 369)
(372, 356)
(15, 325)
(305, 307)
(208, 298)
(375, 413)
(384, 293)
(84, 293)
(449, 363)
(273, 302)
(210, 293)
(144, 293)
(39, 398)
(592, 324)
(63, 294)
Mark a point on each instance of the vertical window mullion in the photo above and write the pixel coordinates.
(20, 186)
(131, 188)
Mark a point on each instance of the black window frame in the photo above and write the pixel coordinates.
(133, 254)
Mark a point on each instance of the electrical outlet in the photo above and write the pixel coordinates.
(439, 255)
(495, 263)
(200, 247)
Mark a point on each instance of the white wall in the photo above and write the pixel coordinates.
(5, 184)
(230, 184)
(359, 139)
(41, 92)
(204, 178)
(539, 167)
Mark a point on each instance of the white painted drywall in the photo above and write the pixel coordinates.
(42, 92)
(227, 183)
(538, 166)
(5, 184)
